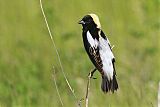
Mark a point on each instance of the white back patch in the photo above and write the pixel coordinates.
(106, 56)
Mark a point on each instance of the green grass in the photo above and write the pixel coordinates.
(27, 55)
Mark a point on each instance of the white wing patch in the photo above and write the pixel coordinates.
(93, 42)
(106, 56)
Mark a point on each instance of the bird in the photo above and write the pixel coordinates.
(99, 51)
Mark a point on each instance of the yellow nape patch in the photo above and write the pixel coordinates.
(96, 20)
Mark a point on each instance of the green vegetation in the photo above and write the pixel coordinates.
(27, 55)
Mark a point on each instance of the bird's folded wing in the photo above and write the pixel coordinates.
(95, 57)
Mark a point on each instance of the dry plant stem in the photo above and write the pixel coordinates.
(159, 95)
(112, 47)
(54, 46)
(88, 86)
(53, 75)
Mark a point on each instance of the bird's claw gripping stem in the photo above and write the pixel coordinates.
(90, 75)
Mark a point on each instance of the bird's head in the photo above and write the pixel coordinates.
(90, 21)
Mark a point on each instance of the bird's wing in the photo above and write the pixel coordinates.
(93, 51)
(95, 57)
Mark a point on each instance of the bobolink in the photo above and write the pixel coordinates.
(99, 51)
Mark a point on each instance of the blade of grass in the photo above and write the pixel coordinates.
(57, 53)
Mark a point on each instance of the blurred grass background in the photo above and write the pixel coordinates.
(27, 55)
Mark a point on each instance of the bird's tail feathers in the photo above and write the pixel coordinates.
(109, 85)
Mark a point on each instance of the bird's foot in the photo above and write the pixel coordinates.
(90, 75)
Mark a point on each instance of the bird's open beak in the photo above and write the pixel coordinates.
(81, 22)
